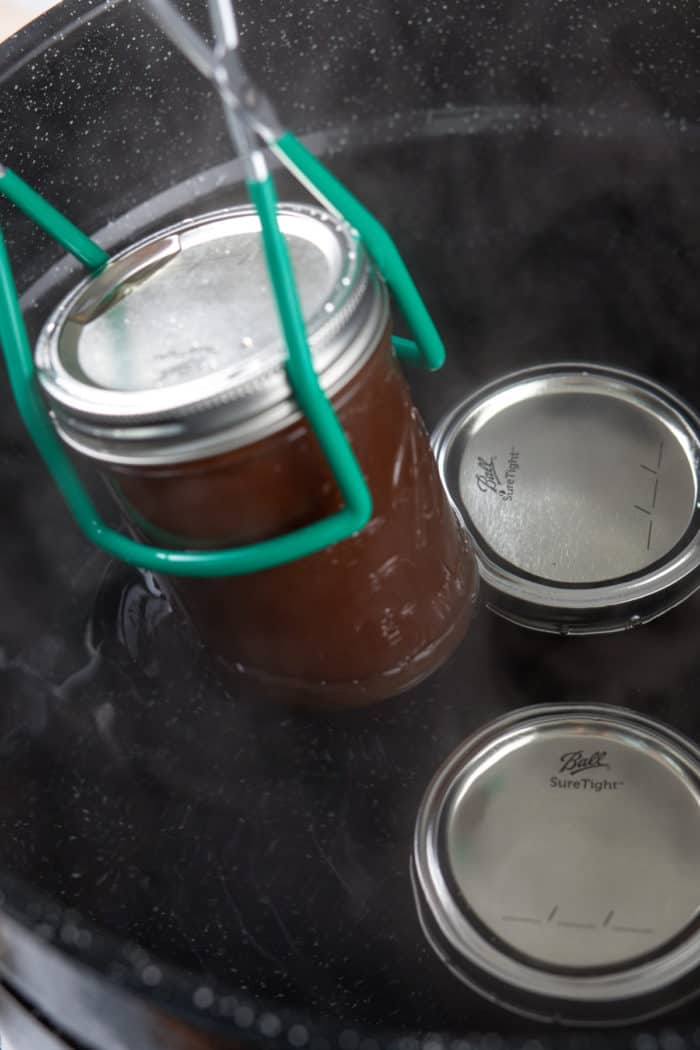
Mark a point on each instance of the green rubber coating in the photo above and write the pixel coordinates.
(252, 557)
(56, 225)
(427, 350)
(377, 241)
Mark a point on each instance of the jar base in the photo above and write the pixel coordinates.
(355, 693)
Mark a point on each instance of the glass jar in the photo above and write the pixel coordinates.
(168, 369)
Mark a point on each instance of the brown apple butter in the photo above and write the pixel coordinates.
(178, 364)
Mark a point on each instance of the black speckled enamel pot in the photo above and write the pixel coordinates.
(180, 866)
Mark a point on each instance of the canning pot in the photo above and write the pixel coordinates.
(182, 867)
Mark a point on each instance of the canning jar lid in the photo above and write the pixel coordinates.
(175, 351)
(556, 863)
(579, 487)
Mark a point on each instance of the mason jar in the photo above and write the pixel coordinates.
(167, 370)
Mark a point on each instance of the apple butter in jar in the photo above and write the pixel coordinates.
(168, 370)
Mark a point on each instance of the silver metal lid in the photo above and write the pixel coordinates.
(579, 487)
(557, 860)
(175, 351)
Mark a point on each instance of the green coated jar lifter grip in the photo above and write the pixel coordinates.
(357, 502)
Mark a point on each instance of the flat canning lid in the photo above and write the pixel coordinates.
(579, 487)
(557, 864)
(175, 351)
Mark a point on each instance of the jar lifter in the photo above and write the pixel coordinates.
(249, 117)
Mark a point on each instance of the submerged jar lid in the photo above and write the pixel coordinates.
(556, 864)
(579, 487)
(175, 351)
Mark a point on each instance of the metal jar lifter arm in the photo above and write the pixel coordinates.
(240, 96)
